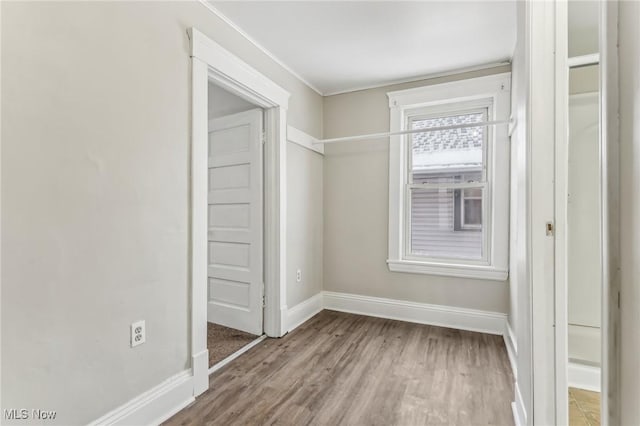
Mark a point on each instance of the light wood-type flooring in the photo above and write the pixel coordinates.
(584, 407)
(344, 369)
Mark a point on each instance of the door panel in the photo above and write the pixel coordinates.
(235, 221)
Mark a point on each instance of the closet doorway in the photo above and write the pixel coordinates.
(235, 289)
(581, 325)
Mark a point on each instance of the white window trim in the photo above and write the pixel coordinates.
(404, 102)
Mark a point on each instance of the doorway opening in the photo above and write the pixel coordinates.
(211, 63)
(584, 217)
(235, 233)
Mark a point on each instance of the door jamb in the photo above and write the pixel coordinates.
(211, 62)
(610, 229)
(561, 316)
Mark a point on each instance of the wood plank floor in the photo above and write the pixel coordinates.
(344, 369)
(584, 408)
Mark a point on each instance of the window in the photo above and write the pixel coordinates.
(448, 188)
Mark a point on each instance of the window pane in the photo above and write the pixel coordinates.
(436, 228)
(473, 193)
(445, 155)
(472, 212)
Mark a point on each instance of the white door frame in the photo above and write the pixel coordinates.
(541, 241)
(608, 190)
(561, 208)
(211, 62)
(610, 231)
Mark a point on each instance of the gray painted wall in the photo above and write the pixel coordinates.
(356, 186)
(95, 153)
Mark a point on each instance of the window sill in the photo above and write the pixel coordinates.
(480, 272)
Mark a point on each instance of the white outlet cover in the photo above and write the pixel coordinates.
(138, 333)
(298, 275)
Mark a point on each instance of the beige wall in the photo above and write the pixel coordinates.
(356, 187)
(222, 102)
(304, 205)
(95, 136)
(629, 63)
(584, 79)
(304, 223)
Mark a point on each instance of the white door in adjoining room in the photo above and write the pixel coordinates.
(235, 262)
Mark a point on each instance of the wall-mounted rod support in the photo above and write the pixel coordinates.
(584, 60)
(408, 132)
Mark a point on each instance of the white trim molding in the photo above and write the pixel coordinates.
(584, 60)
(584, 376)
(200, 365)
(154, 406)
(304, 140)
(235, 74)
(448, 270)
(303, 311)
(212, 63)
(518, 408)
(421, 313)
(512, 348)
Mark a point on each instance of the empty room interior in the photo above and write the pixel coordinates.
(320, 212)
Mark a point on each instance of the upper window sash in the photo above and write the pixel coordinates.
(483, 107)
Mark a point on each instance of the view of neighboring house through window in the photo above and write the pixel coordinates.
(446, 181)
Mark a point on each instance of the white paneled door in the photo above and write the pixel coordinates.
(235, 221)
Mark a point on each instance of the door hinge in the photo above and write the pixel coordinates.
(264, 299)
(263, 137)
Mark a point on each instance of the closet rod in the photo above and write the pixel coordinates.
(407, 132)
(584, 60)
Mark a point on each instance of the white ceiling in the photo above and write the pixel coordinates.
(342, 46)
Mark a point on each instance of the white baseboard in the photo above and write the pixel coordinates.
(155, 405)
(585, 377)
(517, 406)
(422, 313)
(200, 363)
(512, 348)
(303, 311)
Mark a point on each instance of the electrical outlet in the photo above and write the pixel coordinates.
(138, 333)
(298, 275)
